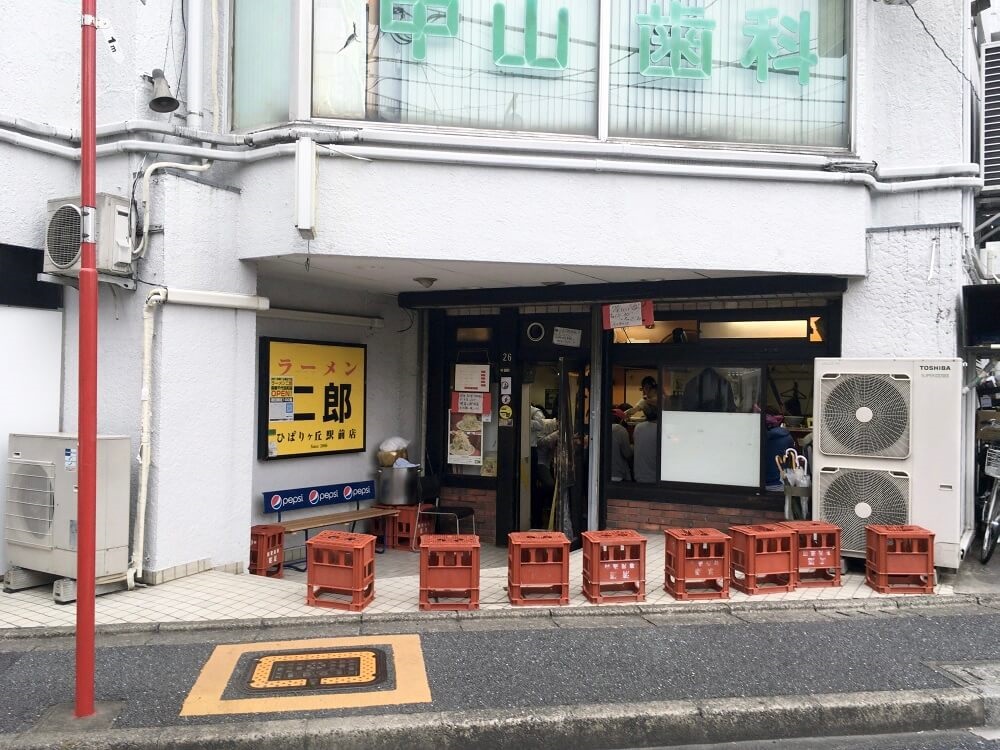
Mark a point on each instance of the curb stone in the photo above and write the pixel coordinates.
(585, 727)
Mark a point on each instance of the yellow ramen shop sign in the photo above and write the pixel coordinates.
(311, 398)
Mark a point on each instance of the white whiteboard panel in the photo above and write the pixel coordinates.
(710, 448)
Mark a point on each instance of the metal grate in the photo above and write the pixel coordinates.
(63, 236)
(992, 464)
(855, 498)
(991, 117)
(865, 415)
(30, 503)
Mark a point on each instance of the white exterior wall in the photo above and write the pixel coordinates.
(392, 392)
(910, 112)
(32, 342)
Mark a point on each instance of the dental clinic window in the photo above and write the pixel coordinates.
(770, 72)
(528, 65)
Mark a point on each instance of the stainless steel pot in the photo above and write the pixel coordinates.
(398, 486)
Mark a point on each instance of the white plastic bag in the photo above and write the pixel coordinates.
(394, 444)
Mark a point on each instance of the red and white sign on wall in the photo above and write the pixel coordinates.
(627, 314)
(471, 403)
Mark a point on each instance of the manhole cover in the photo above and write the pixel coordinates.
(317, 670)
(974, 674)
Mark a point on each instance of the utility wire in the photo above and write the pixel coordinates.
(947, 57)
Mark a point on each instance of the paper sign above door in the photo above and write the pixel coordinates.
(628, 314)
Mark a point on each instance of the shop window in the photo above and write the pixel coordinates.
(661, 332)
(473, 335)
(520, 65)
(714, 72)
(471, 448)
(711, 426)
(755, 329)
(262, 59)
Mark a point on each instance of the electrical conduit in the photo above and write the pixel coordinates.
(160, 296)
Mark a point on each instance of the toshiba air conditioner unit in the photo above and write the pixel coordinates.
(40, 514)
(887, 449)
(63, 234)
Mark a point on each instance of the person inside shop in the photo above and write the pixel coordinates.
(709, 390)
(644, 445)
(650, 395)
(778, 440)
(621, 448)
(543, 437)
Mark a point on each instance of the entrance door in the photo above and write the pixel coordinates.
(544, 388)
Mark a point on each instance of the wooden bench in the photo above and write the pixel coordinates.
(331, 519)
(334, 519)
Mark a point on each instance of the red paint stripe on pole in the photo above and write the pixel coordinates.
(87, 433)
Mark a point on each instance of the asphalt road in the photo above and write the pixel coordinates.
(520, 664)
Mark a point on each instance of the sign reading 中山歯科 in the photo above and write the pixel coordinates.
(675, 40)
(312, 398)
(277, 501)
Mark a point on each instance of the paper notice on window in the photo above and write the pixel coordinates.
(472, 378)
(567, 336)
(280, 406)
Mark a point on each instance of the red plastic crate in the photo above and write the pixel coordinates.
(398, 530)
(340, 570)
(817, 550)
(537, 568)
(449, 569)
(763, 558)
(614, 566)
(267, 550)
(696, 564)
(899, 559)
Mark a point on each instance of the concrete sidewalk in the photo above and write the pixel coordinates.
(217, 596)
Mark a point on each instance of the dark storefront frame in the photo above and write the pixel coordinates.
(503, 352)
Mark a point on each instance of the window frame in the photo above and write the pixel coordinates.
(756, 353)
(300, 100)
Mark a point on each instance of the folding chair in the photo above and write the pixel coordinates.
(429, 491)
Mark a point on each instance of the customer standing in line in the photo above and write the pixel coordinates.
(644, 445)
(621, 449)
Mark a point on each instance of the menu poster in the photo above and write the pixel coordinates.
(465, 439)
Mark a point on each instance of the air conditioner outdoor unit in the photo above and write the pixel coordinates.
(40, 518)
(62, 236)
(888, 449)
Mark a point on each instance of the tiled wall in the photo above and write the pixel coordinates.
(484, 502)
(646, 516)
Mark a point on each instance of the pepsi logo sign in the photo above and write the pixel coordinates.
(348, 492)
(313, 497)
(276, 502)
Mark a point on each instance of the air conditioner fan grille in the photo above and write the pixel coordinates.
(865, 415)
(63, 236)
(855, 498)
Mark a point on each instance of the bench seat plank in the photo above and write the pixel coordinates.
(332, 519)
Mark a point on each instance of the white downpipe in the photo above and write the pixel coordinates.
(946, 170)
(544, 162)
(156, 297)
(140, 249)
(215, 67)
(37, 144)
(195, 62)
(160, 296)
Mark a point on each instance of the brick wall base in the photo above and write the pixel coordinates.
(483, 502)
(646, 516)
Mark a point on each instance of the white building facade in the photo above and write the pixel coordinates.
(440, 175)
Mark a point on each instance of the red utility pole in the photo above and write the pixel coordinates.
(87, 398)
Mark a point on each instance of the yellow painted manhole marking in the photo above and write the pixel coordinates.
(411, 686)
